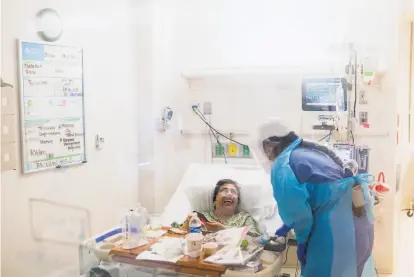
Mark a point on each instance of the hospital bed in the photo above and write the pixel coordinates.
(194, 192)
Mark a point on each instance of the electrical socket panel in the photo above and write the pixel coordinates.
(363, 98)
(231, 150)
(363, 118)
(99, 142)
(8, 99)
(207, 108)
(8, 156)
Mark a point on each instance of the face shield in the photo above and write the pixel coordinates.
(264, 141)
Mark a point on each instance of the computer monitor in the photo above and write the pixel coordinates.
(319, 94)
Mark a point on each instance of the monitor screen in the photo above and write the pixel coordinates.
(345, 151)
(319, 94)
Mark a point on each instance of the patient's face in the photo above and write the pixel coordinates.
(227, 198)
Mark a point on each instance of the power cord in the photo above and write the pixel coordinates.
(210, 134)
(197, 111)
(211, 131)
(211, 140)
(328, 135)
(410, 212)
(286, 256)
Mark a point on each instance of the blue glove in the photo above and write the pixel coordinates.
(301, 253)
(282, 231)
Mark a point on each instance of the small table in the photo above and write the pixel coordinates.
(185, 265)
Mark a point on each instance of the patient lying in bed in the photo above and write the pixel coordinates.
(226, 197)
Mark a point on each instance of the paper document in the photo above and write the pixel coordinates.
(230, 251)
(228, 237)
(166, 250)
(150, 256)
(234, 256)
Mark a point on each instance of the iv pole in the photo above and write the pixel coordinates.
(351, 70)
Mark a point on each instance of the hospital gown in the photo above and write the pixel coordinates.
(241, 219)
(311, 166)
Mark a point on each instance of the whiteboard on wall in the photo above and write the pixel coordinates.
(52, 106)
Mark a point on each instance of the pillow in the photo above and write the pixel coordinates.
(177, 209)
(260, 177)
(201, 198)
(199, 181)
(269, 202)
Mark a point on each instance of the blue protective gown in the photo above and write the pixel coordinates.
(315, 199)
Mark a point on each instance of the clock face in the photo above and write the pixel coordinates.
(49, 25)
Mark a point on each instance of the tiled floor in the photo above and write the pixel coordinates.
(405, 264)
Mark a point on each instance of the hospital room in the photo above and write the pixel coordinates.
(232, 138)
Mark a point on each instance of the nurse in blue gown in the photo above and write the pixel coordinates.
(313, 190)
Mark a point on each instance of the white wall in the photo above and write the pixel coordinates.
(206, 34)
(1, 40)
(119, 98)
(116, 39)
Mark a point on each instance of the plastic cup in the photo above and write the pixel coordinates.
(194, 244)
(210, 249)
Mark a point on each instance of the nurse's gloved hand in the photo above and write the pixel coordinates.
(282, 231)
(301, 253)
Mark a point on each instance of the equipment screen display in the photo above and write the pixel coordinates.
(319, 94)
(345, 151)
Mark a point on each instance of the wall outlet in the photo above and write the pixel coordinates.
(99, 142)
(363, 118)
(207, 108)
(362, 98)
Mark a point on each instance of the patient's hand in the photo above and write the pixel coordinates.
(214, 226)
(185, 226)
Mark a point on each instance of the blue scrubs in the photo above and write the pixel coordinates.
(315, 199)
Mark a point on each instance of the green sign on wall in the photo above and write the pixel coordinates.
(246, 151)
(219, 150)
